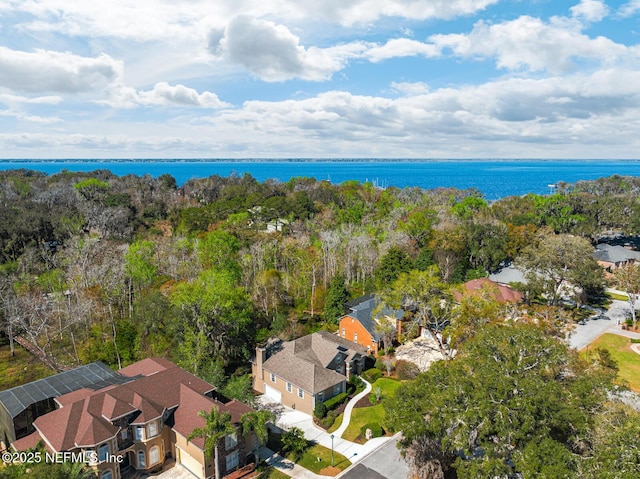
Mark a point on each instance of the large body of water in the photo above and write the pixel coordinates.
(495, 178)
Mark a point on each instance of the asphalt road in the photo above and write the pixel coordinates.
(383, 463)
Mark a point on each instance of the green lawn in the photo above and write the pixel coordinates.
(20, 369)
(273, 473)
(323, 466)
(619, 297)
(628, 361)
(366, 415)
(309, 459)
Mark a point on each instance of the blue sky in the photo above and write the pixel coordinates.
(319, 79)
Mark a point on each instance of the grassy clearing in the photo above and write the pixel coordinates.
(373, 414)
(273, 473)
(20, 369)
(620, 349)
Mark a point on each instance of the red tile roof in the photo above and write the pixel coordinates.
(499, 292)
(85, 416)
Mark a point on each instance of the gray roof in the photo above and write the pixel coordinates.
(93, 376)
(507, 275)
(363, 312)
(614, 254)
(305, 362)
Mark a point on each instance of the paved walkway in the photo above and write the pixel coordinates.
(346, 419)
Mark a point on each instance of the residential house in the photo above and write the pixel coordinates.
(306, 371)
(362, 326)
(141, 418)
(613, 257)
(497, 291)
(508, 275)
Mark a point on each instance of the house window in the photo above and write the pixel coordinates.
(273, 378)
(142, 463)
(106, 475)
(124, 434)
(138, 433)
(300, 393)
(355, 337)
(152, 429)
(337, 388)
(344, 333)
(103, 452)
(230, 441)
(154, 455)
(321, 396)
(232, 460)
(289, 388)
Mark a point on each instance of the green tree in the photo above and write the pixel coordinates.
(293, 441)
(337, 296)
(217, 426)
(628, 280)
(557, 260)
(392, 264)
(513, 401)
(256, 421)
(427, 298)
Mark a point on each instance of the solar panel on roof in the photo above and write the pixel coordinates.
(95, 376)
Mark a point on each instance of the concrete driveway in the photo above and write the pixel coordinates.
(584, 334)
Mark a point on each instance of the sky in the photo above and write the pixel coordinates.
(320, 79)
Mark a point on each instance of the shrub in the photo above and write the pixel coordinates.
(406, 370)
(320, 411)
(381, 352)
(372, 375)
(330, 419)
(335, 401)
(376, 430)
(380, 364)
(356, 384)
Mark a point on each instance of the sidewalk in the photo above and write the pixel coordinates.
(286, 466)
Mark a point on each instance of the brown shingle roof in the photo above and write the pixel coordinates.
(303, 362)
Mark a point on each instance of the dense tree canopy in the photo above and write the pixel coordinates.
(514, 401)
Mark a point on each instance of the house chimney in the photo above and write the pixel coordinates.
(261, 357)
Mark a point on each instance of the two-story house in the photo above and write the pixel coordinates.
(364, 322)
(134, 426)
(306, 371)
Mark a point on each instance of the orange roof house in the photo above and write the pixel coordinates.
(134, 426)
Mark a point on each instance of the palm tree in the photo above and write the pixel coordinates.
(256, 421)
(217, 425)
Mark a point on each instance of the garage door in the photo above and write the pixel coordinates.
(272, 393)
(190, 463)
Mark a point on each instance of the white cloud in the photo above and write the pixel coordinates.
(590, 10)
(401, 47)
(39, 100)
(179, 95)
(630, 8)
(273, 53)
(48, 71)
(531, 44)
(30, 118)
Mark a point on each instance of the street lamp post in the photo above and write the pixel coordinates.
(331, 450)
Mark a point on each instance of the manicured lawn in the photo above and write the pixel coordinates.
(373, 414)
(628, 361)
(309, 459)
(323, 466)
(20, 369)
